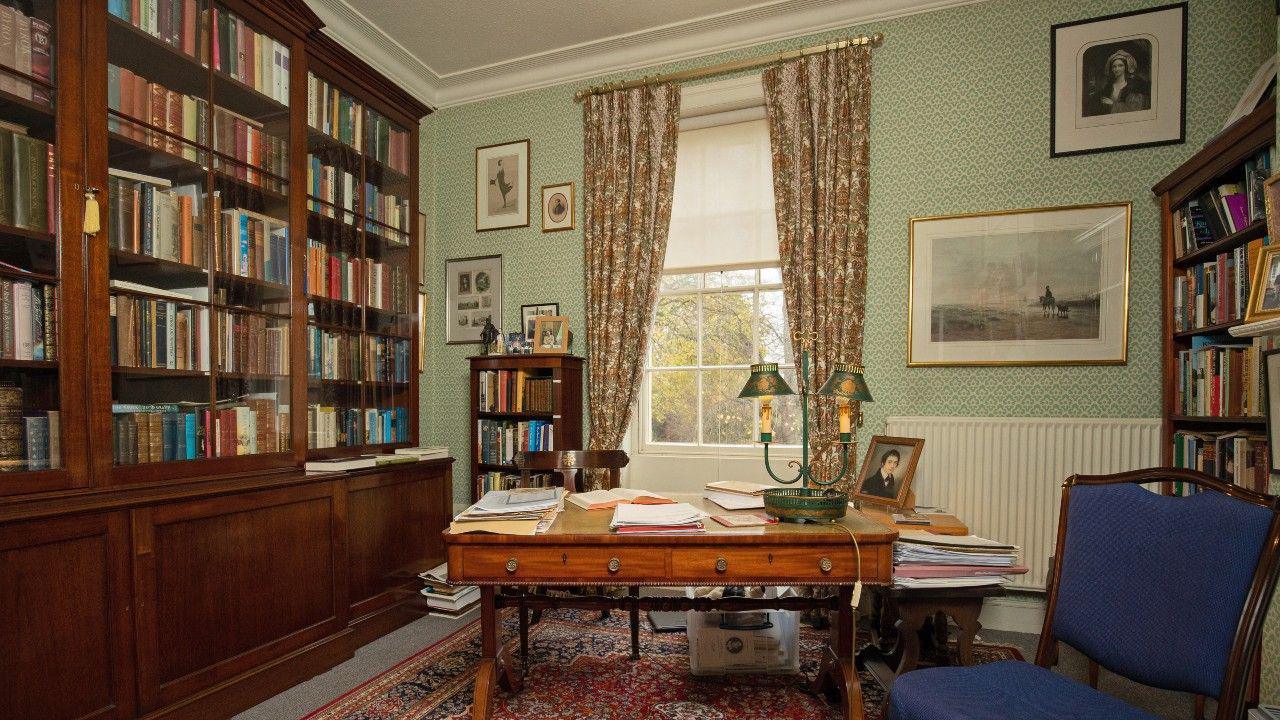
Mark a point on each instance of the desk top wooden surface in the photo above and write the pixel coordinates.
(940, 523)
(591, 527)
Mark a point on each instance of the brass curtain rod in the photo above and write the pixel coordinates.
(732, 66)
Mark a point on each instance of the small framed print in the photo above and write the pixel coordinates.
(502, 186)
(551, 334)
(1264, 291)
(887, 470)
(557, 208)
(529, 313)
(1118, 82)
(473, 295)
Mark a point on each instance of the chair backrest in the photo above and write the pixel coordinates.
(569, 462)
(1168, 591)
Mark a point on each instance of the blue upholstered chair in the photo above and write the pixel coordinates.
(1168, 591)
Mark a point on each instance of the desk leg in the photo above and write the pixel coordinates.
(495, 664)
(911, 617)
(838, 672)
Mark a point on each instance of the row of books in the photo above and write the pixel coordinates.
(252, 425)
(340, 276)
(252, 344)
(498, 441)
(1212, 292)
(255, 59)
(386, 208)
(178, 23)
(329, 426)
(1241, 458)
(514, 391)
(137, 100)
(1223, 209)
(387, 359)
(253, 245)
(332, 355)
(387, 143)
(28, 320)
(27, 442)
(26, 45)
(334, 112)
(253, 147)
(147, 216)
(506, 481)
(153, 333)
(27, 198)
(333, 185)
(1221, 379)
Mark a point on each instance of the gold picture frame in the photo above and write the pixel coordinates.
(551, 335)
(894, 487)
(563, 194)
(1264, 274)
(1002, 320)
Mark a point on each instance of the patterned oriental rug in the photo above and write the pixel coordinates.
(580, 669)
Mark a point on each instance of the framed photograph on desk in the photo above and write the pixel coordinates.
(885, 478)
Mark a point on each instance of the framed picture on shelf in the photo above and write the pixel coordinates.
(529, 313)
(473, 296)
(502, 186)
(885, 478)
(1118, 81)
(1271, 377)
(551, 334)
(557, 208)
(1271, 203)
(1047, 286)
(1264, 291)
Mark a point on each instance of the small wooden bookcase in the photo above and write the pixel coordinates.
(563, 414)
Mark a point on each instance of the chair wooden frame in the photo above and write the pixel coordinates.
(1248, 636)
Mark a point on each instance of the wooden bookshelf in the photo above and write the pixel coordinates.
(564, 416)
(1218, 161)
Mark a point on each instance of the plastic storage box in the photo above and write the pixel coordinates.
(722, 643)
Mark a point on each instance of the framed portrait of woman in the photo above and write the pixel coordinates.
(1118, 81)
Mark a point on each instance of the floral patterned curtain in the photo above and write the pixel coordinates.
(819, 109)
(629, 141)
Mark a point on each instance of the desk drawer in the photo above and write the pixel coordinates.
(765, 563)
(564, 564)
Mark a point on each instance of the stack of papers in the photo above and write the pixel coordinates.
(521, 511)
(424, 453)
(443, 598)
(735, 494)
(605, 499)
(668, 518)
(924, 560)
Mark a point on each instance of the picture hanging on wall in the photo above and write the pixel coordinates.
(502, 186)
(557, 207)
(1118, 82)
(1047, 286)
(473, 296)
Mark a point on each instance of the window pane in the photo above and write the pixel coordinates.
(673, 414)
(786, 413)
(675, 332)
(685, 281)
(726, 419)
(726, 328)
(771, 276)
(730, 278)
(775, 337)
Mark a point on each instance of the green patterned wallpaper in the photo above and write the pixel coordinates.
(960, 123)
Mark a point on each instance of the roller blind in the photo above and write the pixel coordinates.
(722, 213)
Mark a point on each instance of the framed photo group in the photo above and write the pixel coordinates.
(473, 296)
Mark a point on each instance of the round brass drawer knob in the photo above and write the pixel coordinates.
(512, 564)
(825, 565)
(614, 564)
(721, 565)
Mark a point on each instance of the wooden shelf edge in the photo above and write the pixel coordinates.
(1253, 230)
(1258, 328)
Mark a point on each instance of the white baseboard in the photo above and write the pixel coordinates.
(1020, 613)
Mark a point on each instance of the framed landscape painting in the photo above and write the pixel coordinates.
(1048, 286)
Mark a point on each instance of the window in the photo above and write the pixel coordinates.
(720, 305)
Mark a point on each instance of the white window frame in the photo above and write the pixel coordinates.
(641, 439)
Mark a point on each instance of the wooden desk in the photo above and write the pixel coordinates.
(579, 549)
(942, 524)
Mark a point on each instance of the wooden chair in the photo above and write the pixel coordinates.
(571, 466)
(1167, 591)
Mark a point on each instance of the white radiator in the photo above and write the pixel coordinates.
(1003, 476)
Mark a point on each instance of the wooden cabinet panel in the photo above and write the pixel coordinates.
(61, 626)
(228, 583)
(394, 523)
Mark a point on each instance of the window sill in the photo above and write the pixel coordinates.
(737, 453)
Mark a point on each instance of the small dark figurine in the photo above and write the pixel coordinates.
(488, 335)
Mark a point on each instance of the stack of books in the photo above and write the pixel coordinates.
(607, 499)
(446, 599)
(924, 560)
(735, 494)
(671, 518)
(521, 511)
(424, 453)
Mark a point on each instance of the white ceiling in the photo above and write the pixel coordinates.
(449, 52)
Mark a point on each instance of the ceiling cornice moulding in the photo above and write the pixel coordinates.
(370, 43)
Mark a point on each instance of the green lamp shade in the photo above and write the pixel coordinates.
(765, 381)
(846, 381)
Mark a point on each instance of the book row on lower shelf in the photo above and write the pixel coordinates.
(26, 45)
(253, 424)
(27, 197)
(340, 275)
(148, 216)
(1223, 209)
(253, 245)
(331, 189)
(1239, 457)
(162, 334)
(514, 391)
(506, 481)
(347, 356)
(28, 441)
(1214, 292)
(252, 344)
(1221, 379)
(28, 321)
(386, 208)
(498, 441)
(330, 427)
